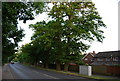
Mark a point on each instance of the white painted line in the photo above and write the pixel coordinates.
(46, 75)
(50, 76)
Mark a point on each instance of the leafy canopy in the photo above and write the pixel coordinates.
(12, 12)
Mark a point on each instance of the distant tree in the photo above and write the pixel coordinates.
(43, 41)
(11, 13)
(25, 54)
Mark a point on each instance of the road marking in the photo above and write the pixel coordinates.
(46, 75)
(50, 76)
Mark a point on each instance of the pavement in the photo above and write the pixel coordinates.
(6, 72)
(0, 73)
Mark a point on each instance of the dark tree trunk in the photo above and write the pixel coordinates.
(58, 67)
(66, 66)
(46, 65)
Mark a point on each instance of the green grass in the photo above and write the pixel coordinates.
(75, 74)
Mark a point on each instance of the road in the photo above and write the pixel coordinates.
(19, 71)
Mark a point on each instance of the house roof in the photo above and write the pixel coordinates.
(108, 54)
(88, 54)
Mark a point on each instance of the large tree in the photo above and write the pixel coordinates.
(80, 22)
(11, 13)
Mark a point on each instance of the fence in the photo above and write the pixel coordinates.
(98, 69)
(106, 70)
(73, 68)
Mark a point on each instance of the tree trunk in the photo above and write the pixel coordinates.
(66, 66)
(46, 65)
(58, 67)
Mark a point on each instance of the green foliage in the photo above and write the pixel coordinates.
(62, 38)
(11, 34)
(42, 38)
(79, 21)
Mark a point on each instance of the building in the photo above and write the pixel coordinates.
(107, 58)
(88, 58)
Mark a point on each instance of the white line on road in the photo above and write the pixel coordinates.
(46, 75)
(50, 76)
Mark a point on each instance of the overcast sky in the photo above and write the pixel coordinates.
(108, 10)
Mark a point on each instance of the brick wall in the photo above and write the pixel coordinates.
(88, 59)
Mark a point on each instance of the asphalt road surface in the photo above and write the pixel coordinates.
(19, 71)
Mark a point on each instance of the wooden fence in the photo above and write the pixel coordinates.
(106, 70)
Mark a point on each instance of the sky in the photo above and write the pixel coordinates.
(108, 10)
